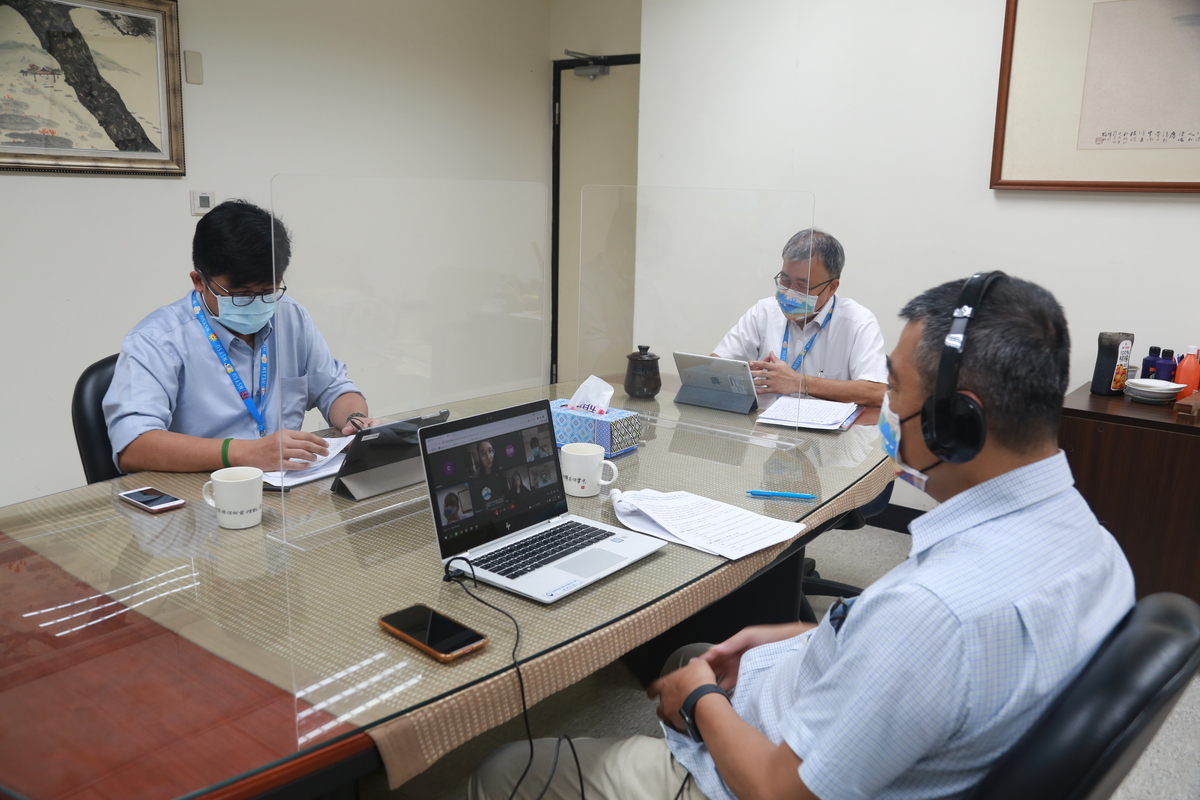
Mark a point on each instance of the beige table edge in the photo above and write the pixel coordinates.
(411, 743)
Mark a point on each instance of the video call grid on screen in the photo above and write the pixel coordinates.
(492, 472)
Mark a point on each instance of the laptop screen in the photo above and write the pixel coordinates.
(492, 475)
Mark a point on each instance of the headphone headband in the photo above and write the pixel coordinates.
(952, 431)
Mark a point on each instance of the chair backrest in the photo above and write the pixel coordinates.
(1088, 740)
(87, 415)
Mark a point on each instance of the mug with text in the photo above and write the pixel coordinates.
(236, 493)
(582, 465)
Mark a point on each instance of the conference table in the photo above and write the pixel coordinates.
(159, 656)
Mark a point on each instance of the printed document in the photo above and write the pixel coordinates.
(809, 412)
(323, 467)
(700, 523)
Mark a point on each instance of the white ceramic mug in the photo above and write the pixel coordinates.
(582, 465)
(236, 494)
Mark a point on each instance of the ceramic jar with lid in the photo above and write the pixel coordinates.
(641, 375)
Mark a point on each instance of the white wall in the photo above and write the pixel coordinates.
(607, 28)
(885, 111)
(416, 88)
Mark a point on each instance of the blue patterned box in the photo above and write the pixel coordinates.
(616, 431)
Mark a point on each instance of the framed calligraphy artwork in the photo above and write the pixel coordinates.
(1099, 95)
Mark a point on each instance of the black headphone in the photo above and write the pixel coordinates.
(953, 425)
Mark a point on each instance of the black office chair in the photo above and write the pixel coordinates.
(813, 584)
(1088, 740)
(87, 415)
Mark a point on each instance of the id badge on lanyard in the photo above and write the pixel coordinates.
(219, 349)
(787, 329)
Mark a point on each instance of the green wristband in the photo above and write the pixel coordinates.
(225, 452)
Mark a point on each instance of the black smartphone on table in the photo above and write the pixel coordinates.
(432, 633)
(150, 499)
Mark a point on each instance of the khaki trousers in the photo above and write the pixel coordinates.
(634, 768)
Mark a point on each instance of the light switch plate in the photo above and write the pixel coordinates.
(193, 66)
(202, 202)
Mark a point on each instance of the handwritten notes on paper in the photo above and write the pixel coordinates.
(809, 412)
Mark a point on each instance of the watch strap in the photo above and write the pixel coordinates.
(688, 709)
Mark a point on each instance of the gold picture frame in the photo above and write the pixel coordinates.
(91, 87)
(1061, 124)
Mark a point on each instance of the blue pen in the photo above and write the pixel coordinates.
(790, 495)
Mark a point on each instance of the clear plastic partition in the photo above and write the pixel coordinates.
(688, 273)
(429, 291)
(416, 294)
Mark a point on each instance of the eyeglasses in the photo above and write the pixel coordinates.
(246, 298)
(784, 282)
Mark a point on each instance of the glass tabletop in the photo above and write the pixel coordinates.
(159, 655)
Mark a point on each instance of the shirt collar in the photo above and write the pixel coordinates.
(1004, 494)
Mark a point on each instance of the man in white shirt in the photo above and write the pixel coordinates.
(807, 339)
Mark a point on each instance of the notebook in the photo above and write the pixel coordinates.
(711, 382)
(498, 501)
(809, 412)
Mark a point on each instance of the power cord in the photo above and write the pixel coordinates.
(459, 577)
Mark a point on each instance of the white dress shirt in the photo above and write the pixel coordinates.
(849, 348)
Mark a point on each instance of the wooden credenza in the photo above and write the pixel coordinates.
(1139, 470)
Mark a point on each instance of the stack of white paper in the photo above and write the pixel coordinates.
(694, 521)
(809, 412)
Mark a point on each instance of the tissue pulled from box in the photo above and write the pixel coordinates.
(592, 396)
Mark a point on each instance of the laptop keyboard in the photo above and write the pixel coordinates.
(528, 554)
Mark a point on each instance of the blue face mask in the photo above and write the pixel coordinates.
(244, 319)
(796, 306)
(889, 427)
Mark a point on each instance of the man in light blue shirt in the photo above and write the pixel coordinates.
(918, 686)
(224, 376)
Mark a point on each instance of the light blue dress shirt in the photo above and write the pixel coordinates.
(943, 663)
(168, 377)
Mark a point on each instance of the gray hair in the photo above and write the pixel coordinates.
(1016, 357)
(810, 243)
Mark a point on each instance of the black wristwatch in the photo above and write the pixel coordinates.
(687, 710)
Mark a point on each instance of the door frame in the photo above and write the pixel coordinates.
(555, 177)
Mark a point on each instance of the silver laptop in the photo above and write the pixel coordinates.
(711, 382)
(498, 501)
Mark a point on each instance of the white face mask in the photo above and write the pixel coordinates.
(889, 426)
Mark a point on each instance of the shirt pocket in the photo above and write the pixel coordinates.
(294, 402)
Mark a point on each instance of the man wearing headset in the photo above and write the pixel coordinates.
(918, 686)
(807, 339)
(223, 376)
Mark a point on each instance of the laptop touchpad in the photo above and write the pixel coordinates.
(590, 563)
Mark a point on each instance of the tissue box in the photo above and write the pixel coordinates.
(617, 431)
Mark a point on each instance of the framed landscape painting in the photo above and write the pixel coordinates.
(90, 87)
